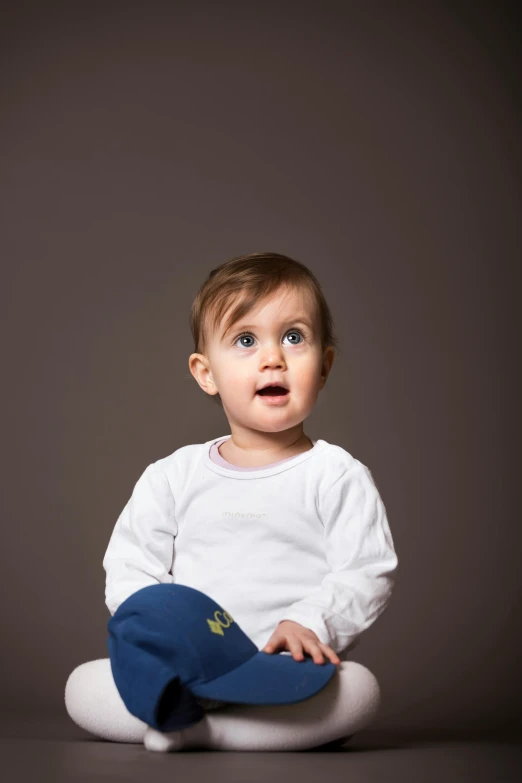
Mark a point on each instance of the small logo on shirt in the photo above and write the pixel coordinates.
(217, 624)
(247, 514)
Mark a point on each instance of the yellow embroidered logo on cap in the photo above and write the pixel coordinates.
(217, 624)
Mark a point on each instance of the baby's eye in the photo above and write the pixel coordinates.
(292, 331)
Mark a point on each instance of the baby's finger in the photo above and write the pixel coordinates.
(272, 646)
(314, 648)
(296, 648)
(331, 654)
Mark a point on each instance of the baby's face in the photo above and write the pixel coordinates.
(278, 341)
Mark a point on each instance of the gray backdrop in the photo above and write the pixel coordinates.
(143, 144)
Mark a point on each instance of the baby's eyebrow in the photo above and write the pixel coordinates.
(301, 319)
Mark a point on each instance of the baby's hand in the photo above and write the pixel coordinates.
(294, 637)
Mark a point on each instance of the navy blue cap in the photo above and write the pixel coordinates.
(170, 643)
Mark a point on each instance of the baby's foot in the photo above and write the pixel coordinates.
(163, 742)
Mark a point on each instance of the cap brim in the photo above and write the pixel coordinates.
(268, 679)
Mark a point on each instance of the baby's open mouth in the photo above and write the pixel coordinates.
(272, 391)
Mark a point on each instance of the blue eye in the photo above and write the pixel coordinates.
(249, 334)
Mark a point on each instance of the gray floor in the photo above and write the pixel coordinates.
(52, 748)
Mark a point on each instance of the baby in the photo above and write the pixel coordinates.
(287, 533)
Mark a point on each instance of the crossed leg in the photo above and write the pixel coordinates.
(348, 703)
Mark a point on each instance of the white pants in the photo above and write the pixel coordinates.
(348, 703)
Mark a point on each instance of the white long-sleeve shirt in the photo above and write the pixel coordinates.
(304, 539)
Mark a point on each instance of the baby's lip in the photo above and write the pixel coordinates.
(278, 383)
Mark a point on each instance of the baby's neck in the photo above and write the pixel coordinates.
(248, 459)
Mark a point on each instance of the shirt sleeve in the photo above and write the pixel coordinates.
(141, 547)
(360, 553)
